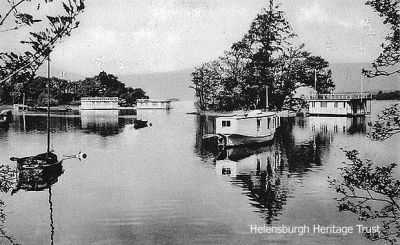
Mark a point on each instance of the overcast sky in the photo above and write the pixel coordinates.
(142, 36)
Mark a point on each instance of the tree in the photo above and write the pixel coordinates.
(234, 64)
(133, 94)
(42, 36)
(207, 84)
(264, 57)
(388, 60)
(269, 33)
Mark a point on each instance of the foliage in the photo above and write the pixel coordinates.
(388, 60)
(42, 38)
(372, 192)
(65, 92)
(7, 183)
(387, 125)
(264, 57)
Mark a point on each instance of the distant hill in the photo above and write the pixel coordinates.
(175, 84)
(163, 85)
(347, 77)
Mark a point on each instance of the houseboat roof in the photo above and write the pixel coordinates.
(152, 100)
(339, 97)
(250, 114)
(100, 98)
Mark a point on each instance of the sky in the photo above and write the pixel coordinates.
(146, 36)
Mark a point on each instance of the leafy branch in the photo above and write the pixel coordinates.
(387, 62)
(41, 42)
(372, 192)
(388, 124)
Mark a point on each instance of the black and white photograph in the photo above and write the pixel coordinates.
(199, 122)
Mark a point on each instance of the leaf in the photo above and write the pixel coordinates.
(81, 5)
(67, 9)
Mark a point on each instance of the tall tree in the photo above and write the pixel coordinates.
(268, 34)
(264, 57)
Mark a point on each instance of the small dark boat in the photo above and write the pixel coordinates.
(39, 161)
(139, 124)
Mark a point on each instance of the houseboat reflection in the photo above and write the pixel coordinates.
(338, 125)
(37, 178)
(260, 172)
(248, 160)
(103, 122)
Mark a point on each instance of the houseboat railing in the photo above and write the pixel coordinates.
(99, 99)
(353, 96)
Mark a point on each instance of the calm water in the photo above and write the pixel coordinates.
(157, 185)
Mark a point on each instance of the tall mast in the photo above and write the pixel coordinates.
(315, 79)
(48, 104)
(266, 98)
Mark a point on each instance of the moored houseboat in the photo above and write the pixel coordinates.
(348, 104)
(99, 103)
(153, 104)
(247, 128)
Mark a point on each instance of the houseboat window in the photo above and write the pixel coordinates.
(226, 171)
(344, 104)
(313, 104)
(258, 124)
(336, 104)
(324, 104)
(226, 123)
(269, 123)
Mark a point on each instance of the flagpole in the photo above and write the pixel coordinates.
(315, 79)
(48, 104)
(266, 98)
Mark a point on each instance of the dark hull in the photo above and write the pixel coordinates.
(140, 124)
(39, 161)
(237, 139)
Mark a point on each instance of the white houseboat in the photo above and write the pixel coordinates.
(153, 104)
(350, 104)
(248, 128)
(99, 103)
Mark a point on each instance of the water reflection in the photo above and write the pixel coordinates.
(38, 178)
(344, 125)
(102, 122)
(258, 170)
(269, 174)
